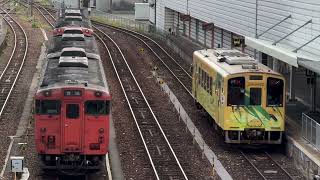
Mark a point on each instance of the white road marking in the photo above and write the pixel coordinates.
(108, 167)
(2, 90)
(44, 34)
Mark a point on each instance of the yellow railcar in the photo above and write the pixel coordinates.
(246, 99)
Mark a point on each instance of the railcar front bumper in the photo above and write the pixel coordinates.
(253, 136)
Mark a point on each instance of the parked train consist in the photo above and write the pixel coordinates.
(244, 98)
(72, 108)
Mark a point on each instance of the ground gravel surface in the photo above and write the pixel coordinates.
(12, 114)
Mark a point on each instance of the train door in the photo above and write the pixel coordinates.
(255, 102)
(72, 126)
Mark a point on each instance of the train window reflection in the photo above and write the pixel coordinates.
(255, 96)
(51, 107)
(72, 111)
(274, 92)
(97, 107)
(236, 91)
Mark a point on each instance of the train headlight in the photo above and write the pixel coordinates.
(98, 94)
(47, 93)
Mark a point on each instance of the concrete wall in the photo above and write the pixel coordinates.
(239, 17)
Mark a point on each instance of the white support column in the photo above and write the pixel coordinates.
(292, 90)
(314, 94)
(270, 61)
(275, 64)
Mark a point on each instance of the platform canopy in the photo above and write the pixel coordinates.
(285, 54)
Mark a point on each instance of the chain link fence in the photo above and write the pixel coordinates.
(310, 130)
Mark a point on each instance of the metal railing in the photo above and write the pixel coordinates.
(310, 130)
(119, 21)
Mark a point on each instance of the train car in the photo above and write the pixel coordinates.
(73, 20)
(78, 39)
(72, 111)
(245, 99)
(73, 30)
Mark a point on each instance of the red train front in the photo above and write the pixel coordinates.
(72, 109)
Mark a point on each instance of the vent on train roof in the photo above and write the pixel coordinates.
(234, 57)
(73, 62)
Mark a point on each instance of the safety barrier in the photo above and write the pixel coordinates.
(310, 130)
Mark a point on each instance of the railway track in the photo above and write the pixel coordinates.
(11, 72)
(46, 15)
(163, 159)
(182, 75)
(263, 163)
(266, 167)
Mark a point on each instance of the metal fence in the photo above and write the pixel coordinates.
(119, 21)
(311, 130)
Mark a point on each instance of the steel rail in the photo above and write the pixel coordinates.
(23, 59)
(285, 171)
(45, 17)
(272, 160)
(146, 101)
(242, 153)
(131, 33)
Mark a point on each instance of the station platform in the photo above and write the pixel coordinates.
(306, 156)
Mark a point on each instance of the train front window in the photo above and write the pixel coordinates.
(236, 91)
(98, 107)
(72, 111)
(274, 92)
(255, 96)
(50, 107)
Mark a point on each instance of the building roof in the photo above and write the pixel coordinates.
(285, 54)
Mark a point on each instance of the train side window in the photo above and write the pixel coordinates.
(275, 92)
(72, 111)
(255, 96)
(50, 107)
(236, 91)
(98, 107)
(210, 86)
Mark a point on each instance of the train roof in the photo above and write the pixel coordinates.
(228, 62)
(56, 75)
(61, 22)
(73, 12)
(57, 43)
